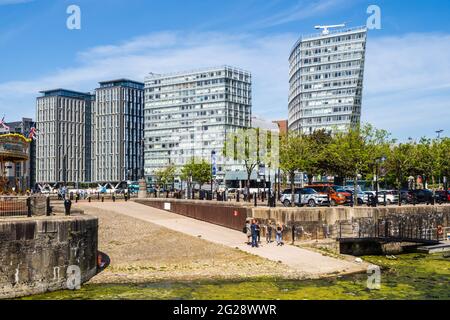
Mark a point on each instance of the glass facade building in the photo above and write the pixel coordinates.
(63, 137)
(117, 131)
(326, 81)
(187, 115)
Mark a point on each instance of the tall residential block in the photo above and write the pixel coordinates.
(63, 145)
(117, 131)
(188, 115)
(326, 80)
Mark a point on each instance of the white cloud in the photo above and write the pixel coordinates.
(406, 81)
(265, 57)
(300, 11)
(411, 62)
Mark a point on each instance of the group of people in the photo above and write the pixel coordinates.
(253, 230)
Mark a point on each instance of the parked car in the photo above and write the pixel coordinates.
(368, 195)
(361, 195)
(336, 198)
(419, 196)
(286, 195)
(304, 196)
(441, 196)
(391, 197)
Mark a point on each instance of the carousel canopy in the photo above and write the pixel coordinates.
(14, 147)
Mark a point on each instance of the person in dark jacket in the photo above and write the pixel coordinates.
(253, 228)
(269, 232)
(258, 233)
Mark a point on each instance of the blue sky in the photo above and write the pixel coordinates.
(407, 78)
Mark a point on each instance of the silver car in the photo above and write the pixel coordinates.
(391, 196)
(308, 196)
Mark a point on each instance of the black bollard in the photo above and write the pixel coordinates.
(29, 211)
(49, 209)
(67, 206)
(385, 200)
(114, 198)
(103, 199)
(89, 198)
(255, 198)
(238, 195)
(293, 234)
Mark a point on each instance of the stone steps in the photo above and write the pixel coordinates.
(441, 247)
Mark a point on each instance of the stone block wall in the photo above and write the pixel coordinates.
(35, 253)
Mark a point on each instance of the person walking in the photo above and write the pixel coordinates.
(248, 231)
(254, 234)
(279, 235)
(269, 232)
(258, 232)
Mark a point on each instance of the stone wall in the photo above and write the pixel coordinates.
(221, 213)
(310, 223)
(324, 222)
(35, 253)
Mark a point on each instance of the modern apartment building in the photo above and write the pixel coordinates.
(188, 115)
(118, 128)
(63, 144)
(24, 173)
(326, 80)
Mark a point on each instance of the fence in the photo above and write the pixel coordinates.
(23, 206)
(407, 227)
(13, 206)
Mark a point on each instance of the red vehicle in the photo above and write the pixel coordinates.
(336, 198)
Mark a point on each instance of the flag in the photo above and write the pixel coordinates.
(3, 124)
(33, 132)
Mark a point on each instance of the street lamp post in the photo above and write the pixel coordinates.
(439, 132)
(213, 170)
(377, 161)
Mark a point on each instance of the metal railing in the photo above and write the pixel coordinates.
(14, 206)
(24, 206)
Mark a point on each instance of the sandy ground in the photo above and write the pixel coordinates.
(143, 252)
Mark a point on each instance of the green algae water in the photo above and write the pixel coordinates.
(411, 276)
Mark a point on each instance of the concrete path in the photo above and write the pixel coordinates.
(310, 263)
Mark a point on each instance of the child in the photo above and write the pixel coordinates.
(279, 235)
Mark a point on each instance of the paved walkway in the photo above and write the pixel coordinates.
(311, 263)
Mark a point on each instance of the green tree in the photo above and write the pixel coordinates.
(400, 161)
(443, 154)
(197, 171)
(429, 159)
(165, 176)
(319, 141)
(295, 156)
(351, 153)
(252, 147)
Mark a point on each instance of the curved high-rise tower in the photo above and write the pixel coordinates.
(326, 80)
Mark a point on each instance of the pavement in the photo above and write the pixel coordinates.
(310, 263)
